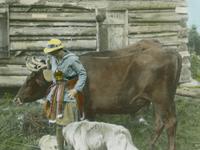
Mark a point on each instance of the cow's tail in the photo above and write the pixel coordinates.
(179, 67)
(177, 72)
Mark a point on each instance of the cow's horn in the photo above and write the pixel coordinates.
(31, 66)
(38, 62)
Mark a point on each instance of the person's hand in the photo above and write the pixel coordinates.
(72, 93)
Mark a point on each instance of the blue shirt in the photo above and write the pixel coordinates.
(71, 66)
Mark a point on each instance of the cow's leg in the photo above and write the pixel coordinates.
(159, 126)
(170, 124)
(169, 120)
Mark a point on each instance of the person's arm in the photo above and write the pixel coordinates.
(82, 75)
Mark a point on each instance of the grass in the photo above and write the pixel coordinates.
(19, 129)
(195, 69)
(188, 129)
(19, 132)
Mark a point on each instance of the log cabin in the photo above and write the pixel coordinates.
(86, 25)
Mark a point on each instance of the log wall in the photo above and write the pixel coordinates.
(33, 22)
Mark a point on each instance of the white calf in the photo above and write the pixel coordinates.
(85, 135)
(48, 142)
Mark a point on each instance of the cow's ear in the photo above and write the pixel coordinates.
(48, 75)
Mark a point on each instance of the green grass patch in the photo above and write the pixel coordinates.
(21, 127)
(188, 129)
(195, 69)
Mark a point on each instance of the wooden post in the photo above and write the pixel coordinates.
(8, 30)
(101, 30)
(97, 27)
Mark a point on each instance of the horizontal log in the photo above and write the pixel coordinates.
(54, 9)
(100, 4)
(186, 61)
(153, 23)
(152, 11)
(54, 17)
(13, 60)
(155, 35)
(181, 10)
(131, 5)
(46, 38)
(13, 70)
(184, 53)
(173, 40)
(2, 15)
(188, 92)
(43, 3)
(53, 31)
(183, 47)
(39, 45)
(153, 29)
(172, 47)
(155, 17)
(3, 10)
(11, 81)
(52, 24)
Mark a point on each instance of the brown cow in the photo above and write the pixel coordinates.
(124, 81)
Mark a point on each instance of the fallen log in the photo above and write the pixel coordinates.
(193, 92)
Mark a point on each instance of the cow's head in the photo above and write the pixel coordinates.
(35, 86)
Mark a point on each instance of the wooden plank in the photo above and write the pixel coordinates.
(153, 29)
(4, 38)
(13, 60)
(11, 81)
(46, 38)
(13, 70)
(115, 18)
(86, 17)
(155, 35)
(8, 29)
(173, 40)
(105, 4)
(98, 13)
(155, 17)
(2, 16)
(172, 47)
(142, 5)
(184, 53)
(47, 9)
(153, 23)
(3, 10)
(53, 31)
(52, 24)
(181, 10)
(152, 10)
(189, 91)
(131, 5)
(44, 3)
(39, 45)
(126, 26)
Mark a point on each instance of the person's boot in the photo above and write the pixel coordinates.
(59, 137)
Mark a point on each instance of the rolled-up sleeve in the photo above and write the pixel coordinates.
(81, 72)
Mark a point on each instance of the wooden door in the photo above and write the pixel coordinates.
(113, 31)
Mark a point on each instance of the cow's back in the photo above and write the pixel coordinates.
(116, 81)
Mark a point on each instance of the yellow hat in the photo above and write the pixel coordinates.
(53, 45)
